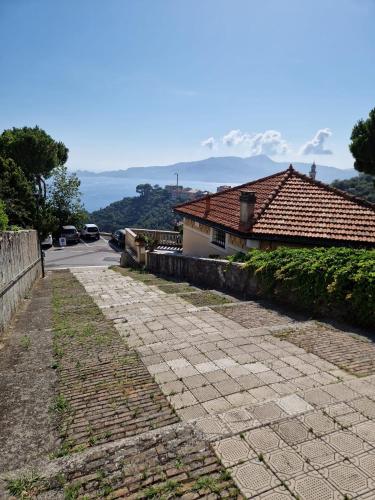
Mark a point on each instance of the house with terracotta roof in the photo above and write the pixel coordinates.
(284, 209)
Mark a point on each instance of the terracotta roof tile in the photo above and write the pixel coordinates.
(290, 204)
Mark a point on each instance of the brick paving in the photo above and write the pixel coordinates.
(108, 391)
(285, 422)
(254, 314)
(353, 354)
(161, 464)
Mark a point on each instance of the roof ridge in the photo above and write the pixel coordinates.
(211, 195)
(344, 194)
(274, 193)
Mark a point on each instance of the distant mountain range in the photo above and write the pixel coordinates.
(226, 169)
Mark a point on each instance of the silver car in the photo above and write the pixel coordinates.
(90, 232)
(70, 234)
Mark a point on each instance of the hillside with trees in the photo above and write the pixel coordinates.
(362, 186)
(152, 209)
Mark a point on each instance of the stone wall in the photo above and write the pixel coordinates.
(20, 266)
(210, 273)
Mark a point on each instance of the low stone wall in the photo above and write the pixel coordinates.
(20, 266)
(210, 273)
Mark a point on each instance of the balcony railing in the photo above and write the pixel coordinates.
(138, 241)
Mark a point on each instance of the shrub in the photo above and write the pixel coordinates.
(3, 217)
(320, 280)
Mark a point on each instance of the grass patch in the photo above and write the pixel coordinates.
(206, 298)
(71, 492)
(176, 288)
(26, 487)
(169, 489)
(60, 405)
(207, 483)
(25, 341)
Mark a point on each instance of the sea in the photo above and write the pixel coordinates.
(100, 191)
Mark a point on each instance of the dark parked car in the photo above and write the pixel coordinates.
(90, 232)
(70, 233)
(118, 237)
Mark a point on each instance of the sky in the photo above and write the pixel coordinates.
(150, 82)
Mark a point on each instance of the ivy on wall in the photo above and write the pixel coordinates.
(318, 280)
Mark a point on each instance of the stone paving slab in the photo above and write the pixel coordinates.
(280, 417)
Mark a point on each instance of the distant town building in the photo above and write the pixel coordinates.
(219, 189)
(187, 192)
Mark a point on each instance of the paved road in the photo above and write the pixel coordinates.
(96, 253)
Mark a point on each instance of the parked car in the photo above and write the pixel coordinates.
(47, 242)
(70, 233)
(118, 237)
(90, 232)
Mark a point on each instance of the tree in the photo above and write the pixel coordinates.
(362, 144)
(35, 152)
(63, 201)
(144, 190)
(3, 217)
(17, 193)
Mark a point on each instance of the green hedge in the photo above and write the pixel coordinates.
(319, 280)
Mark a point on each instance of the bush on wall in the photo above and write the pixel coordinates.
(3, 217)
(319, 280)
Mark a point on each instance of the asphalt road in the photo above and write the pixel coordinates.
(95, 253)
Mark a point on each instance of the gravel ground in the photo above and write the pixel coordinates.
(27, 383)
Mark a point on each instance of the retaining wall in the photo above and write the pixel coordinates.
(20, 266)
(210, 273)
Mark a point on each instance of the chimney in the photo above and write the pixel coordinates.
(312, 173)
(247, 206)
(208, 205)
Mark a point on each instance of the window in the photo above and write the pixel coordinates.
(218, 238)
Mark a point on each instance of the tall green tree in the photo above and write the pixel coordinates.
(64, 200)
(17, 193)
(35, 152)
(362, 144)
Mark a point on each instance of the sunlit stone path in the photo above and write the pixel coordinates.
(284, 422)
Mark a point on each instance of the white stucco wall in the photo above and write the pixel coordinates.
(198, 244)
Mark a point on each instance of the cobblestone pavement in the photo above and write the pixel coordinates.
(285, 422)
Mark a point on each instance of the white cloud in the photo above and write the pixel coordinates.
(235, 137)
(209, 143)
(269, 142)
(316, 145)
